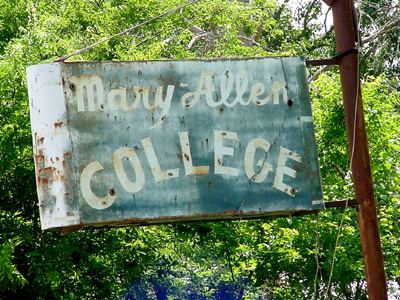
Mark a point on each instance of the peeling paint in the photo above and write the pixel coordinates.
(58, 124)
(156, 142)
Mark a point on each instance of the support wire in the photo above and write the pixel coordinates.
(65, 57)
(352, 152)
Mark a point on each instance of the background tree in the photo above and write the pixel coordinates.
(287, 258)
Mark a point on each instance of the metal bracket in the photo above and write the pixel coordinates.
(342, 203)
(335, 60)
(353, 203)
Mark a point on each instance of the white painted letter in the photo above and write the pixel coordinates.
(226, 83)
(257, 90)
(277, 87)
(186, 102)
(87, 193)
(187, 157)
(205, 87)
(129, 186)
(159, 175)
(163, 104)
(220, 150)
(89, 89)
(265, 167)
(281, 170)
(242, 82)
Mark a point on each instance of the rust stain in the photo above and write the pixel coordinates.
(209, 185)
(200, 170)
(46, 170)
(36, 139)
(69, 229)
(227, 215)
(39, 158)
(58, 124)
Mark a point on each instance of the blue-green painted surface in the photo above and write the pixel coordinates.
(187, 140)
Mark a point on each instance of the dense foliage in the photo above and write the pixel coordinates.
(287, 258)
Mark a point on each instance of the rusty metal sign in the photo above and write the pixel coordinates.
(165, 141)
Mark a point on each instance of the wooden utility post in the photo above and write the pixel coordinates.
(345, 33)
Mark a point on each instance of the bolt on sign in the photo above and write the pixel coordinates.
(163, 141)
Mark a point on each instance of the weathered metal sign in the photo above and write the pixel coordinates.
(151, 142)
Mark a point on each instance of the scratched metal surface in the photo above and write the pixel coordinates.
(175, 140)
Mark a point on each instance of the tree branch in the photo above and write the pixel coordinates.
(318, 73)
(384, 29)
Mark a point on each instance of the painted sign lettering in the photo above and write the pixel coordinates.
(150, 142)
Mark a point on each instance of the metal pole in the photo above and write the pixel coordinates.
(369, 232)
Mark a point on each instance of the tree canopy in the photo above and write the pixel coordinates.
(285, 258)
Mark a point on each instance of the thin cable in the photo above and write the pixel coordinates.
(357, 90)
(63, 58)
(334, 251)
(351, 156)
(316, 250)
